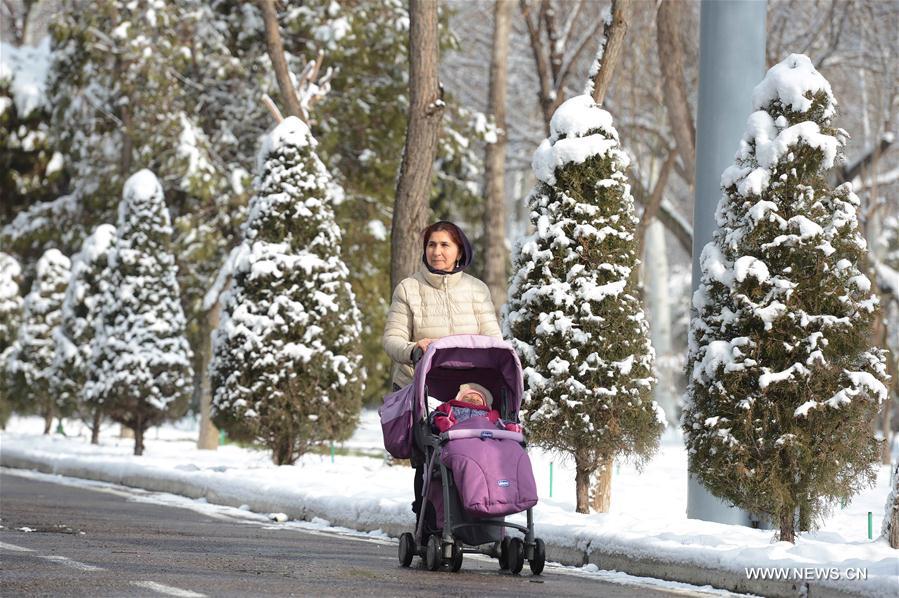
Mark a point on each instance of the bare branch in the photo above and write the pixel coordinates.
(667, 214)
(568, 67)
(279, 63)
(573, 17)
(270, 104)
(613, 42)
(850, 171)
(651, 208)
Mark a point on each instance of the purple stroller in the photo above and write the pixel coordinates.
(475, 474)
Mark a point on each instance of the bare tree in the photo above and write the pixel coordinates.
(14, 15)
(677, 103)
(496, 269)
(610, 49)
(426, 107)
(279, 62)
(555, 51)
(652, 206)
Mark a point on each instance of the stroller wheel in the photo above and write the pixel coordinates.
(516, 555)
(456, 562)
(504, 554)
(433, 556)
(407, 549)
(539, 561)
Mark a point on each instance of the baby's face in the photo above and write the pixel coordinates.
(473, 398)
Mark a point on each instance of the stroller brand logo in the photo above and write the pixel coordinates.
(503, 483)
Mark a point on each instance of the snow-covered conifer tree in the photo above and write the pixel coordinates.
(140, 371)
(30, 169)
(10, 300)
(574, 312)
(783, 382)
(80, 316)
(29, 363)
(10, 315)
(286, 368)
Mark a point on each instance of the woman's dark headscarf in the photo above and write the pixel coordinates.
(458, 237)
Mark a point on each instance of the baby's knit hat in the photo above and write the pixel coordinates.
(478, 388)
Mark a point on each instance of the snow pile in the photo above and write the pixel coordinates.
(26, 70)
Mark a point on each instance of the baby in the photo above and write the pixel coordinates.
(472, 400)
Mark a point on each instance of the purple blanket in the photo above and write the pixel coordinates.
(493, 474)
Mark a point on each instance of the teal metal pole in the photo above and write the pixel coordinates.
(550, 480)
(731, 63)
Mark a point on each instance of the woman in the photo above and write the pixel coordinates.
(438, 300)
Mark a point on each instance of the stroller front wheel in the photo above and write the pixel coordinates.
(504, 554)
(516, 556)
(406, 549)
(456, 561)
(433, 554)
(539, 561)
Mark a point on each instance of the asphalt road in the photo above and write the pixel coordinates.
(63, 540)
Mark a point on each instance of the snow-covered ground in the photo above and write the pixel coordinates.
(647, 518)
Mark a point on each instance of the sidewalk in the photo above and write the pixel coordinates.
(645, 535)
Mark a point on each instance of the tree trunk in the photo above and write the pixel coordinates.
(582, 471)
(496, 269)
(805, 517)
(48, 421)
(674, 88)
(788, 525)
(95, 426)
(654, 203)
(893, 511)
(209, 434)
(601, 499)
(613, 42)
(410, 210)
(127, 143)
(276, 53)
(139, 437)
(658, 301)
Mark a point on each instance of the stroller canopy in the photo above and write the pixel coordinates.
(462, 358)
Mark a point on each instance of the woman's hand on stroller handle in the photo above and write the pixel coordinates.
(417, 354)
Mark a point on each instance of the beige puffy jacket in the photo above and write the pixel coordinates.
(428, 305)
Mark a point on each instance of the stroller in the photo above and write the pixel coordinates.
(474, 473)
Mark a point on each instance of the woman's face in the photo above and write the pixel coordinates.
(441, 252)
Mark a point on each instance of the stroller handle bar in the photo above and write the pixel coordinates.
(483, 435)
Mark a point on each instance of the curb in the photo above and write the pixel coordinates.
(605, 559)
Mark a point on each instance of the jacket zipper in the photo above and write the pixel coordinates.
(449, 313)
